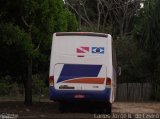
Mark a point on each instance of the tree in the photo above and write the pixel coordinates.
(33, 22)
(147, 33)
(112, 16)
(14, 47)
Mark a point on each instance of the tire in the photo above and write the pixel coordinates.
(108, 108)
(62, 107)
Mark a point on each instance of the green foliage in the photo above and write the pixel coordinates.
(39, 86)
(147, 26)
(14, 36)
(132, 60)
(29, 33)
(6, 86)
(14, 48)
(26, 28)
(147, 30)
(72, 24)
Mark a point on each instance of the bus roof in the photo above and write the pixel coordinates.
(81, 34)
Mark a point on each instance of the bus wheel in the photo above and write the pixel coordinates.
(108, 108)
(62, 107)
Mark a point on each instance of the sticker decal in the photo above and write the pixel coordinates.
(83, 50)
(66, 87)
(75, 71)
(98, 50)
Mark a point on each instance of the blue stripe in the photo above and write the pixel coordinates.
(70, 71)
(68, 95)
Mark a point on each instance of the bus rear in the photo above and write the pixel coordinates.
(81, 67)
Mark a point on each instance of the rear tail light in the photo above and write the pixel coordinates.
(51, 80)
(108, 81)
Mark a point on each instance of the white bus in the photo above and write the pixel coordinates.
(82, 68)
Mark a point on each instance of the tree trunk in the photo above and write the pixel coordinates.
(28, 78)
(28, 84)
(121, 29)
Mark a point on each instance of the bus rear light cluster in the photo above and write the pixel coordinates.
(108, 81)
(51, 80)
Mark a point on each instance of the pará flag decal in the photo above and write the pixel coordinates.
(82, 49)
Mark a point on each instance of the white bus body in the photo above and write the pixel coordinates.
(82, 67)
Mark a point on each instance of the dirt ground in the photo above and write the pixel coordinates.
(49, 109)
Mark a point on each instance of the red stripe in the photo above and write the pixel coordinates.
(86, 48)
(86, 80)
(80, 51)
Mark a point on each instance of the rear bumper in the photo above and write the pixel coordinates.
(69, 95)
